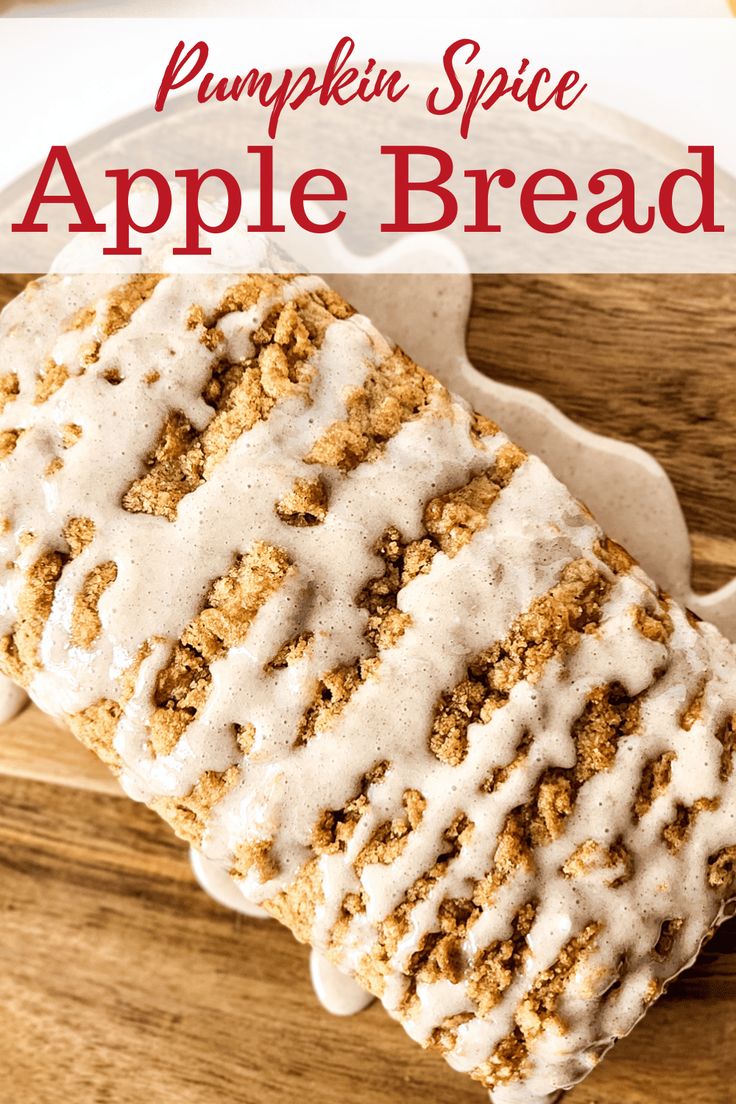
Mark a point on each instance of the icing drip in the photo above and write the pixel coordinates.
(12, 700)
(218, 884)
(336, 992)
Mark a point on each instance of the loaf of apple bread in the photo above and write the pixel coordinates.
(366, 654)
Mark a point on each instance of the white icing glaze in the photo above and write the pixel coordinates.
(626, 489)
(436, 338)
(461, 606)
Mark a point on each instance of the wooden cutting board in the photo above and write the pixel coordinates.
(121, 983)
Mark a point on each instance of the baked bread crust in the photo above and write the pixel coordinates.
(367, 654)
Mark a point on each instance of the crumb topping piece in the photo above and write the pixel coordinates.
(182, 685)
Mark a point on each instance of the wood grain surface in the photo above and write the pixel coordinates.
(121, 983)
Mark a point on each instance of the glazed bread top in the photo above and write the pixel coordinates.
(368, 655)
